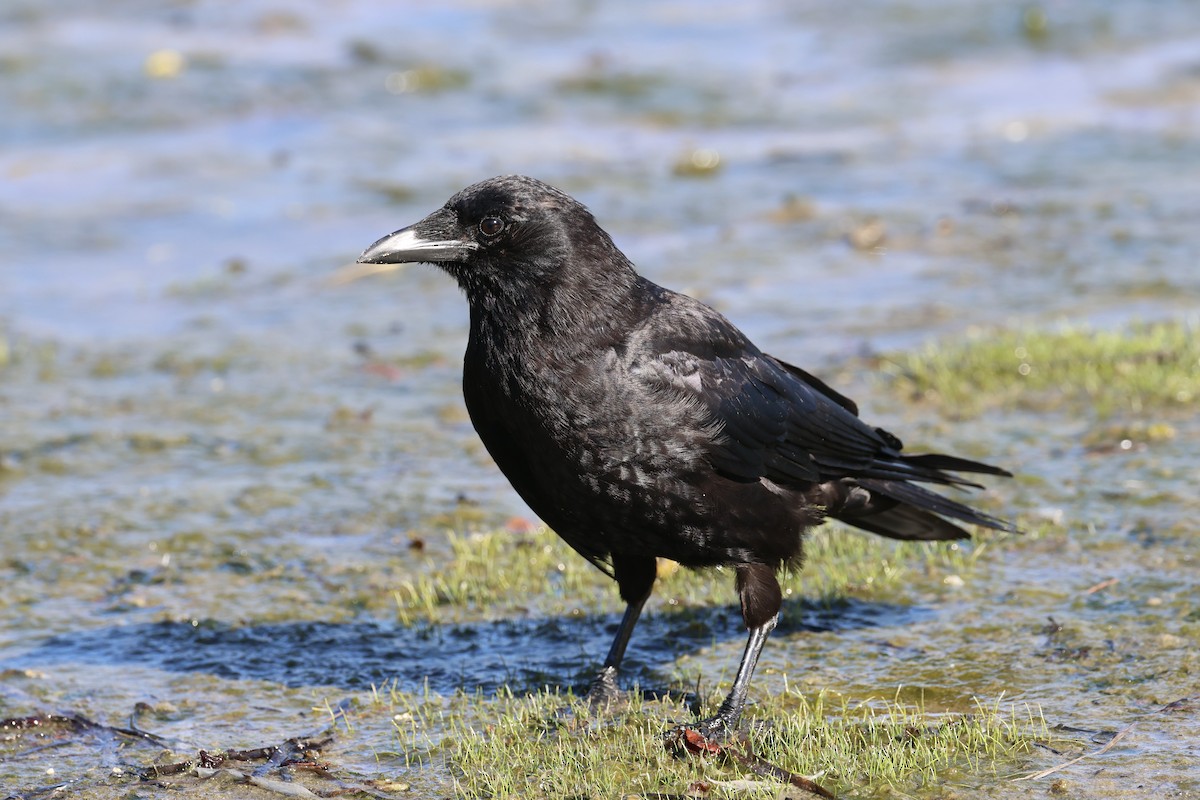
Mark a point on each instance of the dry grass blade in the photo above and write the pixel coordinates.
(1033, 776)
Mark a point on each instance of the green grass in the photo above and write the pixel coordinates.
(495, 574)
(548, 744)
(1153, 367)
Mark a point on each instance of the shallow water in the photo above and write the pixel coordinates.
(213, 463)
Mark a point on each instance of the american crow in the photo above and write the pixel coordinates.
(640, 423)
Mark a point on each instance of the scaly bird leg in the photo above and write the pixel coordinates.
(635, 578)
(603, 688)
(761, 599)
(719, 726)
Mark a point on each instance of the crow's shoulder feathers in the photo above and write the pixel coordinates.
(773, 420)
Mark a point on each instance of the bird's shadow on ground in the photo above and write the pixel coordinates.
(522, 654)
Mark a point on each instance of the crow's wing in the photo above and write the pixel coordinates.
(773, 424)
(773, 420)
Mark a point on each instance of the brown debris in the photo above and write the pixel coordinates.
(684, 741)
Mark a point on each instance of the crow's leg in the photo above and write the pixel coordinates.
(718, 727)
(761, 600)
(635, 578)
(603, 688)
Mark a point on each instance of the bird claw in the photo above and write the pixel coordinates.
(706, 736)
(603, 690)
(601, 694)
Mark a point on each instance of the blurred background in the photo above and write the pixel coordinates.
(180, 179)
(196, 424)
(884, 170)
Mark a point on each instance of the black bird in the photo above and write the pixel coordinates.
(640, 423)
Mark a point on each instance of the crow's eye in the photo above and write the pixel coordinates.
(490, 226)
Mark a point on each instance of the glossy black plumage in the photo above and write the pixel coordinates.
(640, 423)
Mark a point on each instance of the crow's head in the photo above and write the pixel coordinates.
(510, 235)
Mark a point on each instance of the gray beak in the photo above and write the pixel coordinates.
(435, 239)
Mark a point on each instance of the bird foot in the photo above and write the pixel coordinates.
(706, 736)
(601, 694)
(603, 690)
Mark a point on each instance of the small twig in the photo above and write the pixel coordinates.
(292, 751)
(53, 790)
(1181, 703)
(77, 723)
(1033, 776)
(683, 740)
(1102, 585)
(759, 766)
(279, 787)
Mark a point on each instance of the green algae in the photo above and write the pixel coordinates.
(1149, 368)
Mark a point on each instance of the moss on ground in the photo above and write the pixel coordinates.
(1147, 368)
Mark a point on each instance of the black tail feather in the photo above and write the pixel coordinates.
(924, 468)
(907, 523)
(918, 497)
(939, 462)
